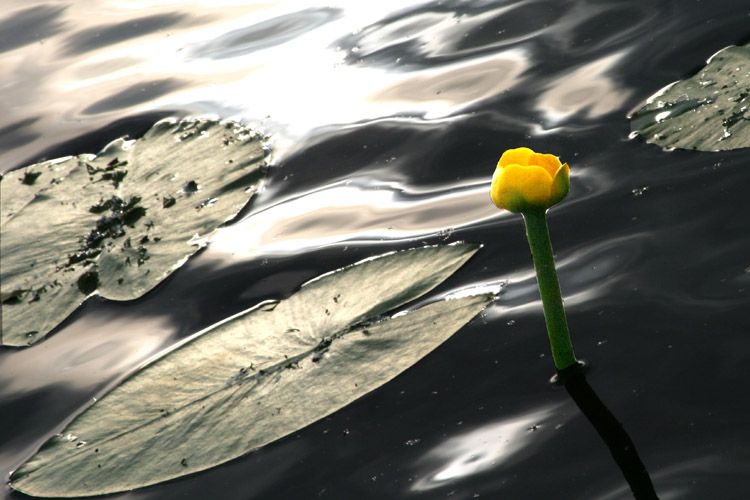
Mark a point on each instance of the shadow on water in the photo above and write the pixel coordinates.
(610, 430)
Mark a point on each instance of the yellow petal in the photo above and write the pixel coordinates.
(518, 188)
(550, 163)
(560, 185)
(518, 156)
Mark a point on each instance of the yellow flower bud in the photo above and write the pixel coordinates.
(525, 180)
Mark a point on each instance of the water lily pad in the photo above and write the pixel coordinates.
(256, 377)
(117, 223)
(707, 112)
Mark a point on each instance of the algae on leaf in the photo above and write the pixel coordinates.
(256, 377)
(117, 223)
(707, 112)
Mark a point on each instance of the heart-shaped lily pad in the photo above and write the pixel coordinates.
(707, 112)
(256, 377)
(117, 223)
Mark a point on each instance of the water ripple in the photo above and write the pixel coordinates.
(388, 118)
(451, 88)
(591, 275)
(90, 359)
(357, 209)
(265, 34)
(103, 35)
(134, 95)
(588, 89)
(443, 32)
(27, 26)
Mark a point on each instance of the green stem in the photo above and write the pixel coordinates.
(549, 288)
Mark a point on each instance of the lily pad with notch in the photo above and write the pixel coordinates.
(257, 376)
(117, 223)
(708, 111)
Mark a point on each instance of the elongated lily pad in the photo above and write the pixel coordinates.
(117, 223)
(707, 112)
(256, 377)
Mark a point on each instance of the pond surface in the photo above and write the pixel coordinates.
(386, 120)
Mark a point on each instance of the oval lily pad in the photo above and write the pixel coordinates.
(256, 377)
(117, 223)
(706, 112)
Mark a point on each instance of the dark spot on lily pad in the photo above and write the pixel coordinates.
(30, 178)
(88, 254)
(88, 282)
(111, 226)
(106, 227)
(103, 206)
(132, 216)
(142, 255)
(116, 177)
(114, 164)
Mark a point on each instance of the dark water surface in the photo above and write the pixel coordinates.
(387, 119)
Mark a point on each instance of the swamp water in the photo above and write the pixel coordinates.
(386, 121)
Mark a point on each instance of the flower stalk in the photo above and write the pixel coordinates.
(549, 288)
(529, 183)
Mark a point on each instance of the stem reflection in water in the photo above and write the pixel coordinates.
(611, 431)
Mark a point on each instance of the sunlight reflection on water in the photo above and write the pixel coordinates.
(587, 89)
(353, 210)
(283, 61)
(485, 448)
(95, 357)
(447, 90)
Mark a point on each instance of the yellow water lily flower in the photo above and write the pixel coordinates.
(525, 180)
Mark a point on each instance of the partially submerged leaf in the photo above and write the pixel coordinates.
(256, 377)
(117, 223)
(707, 112)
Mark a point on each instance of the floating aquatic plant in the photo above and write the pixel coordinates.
(257, 376)
(119, 222)
(706, 112)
